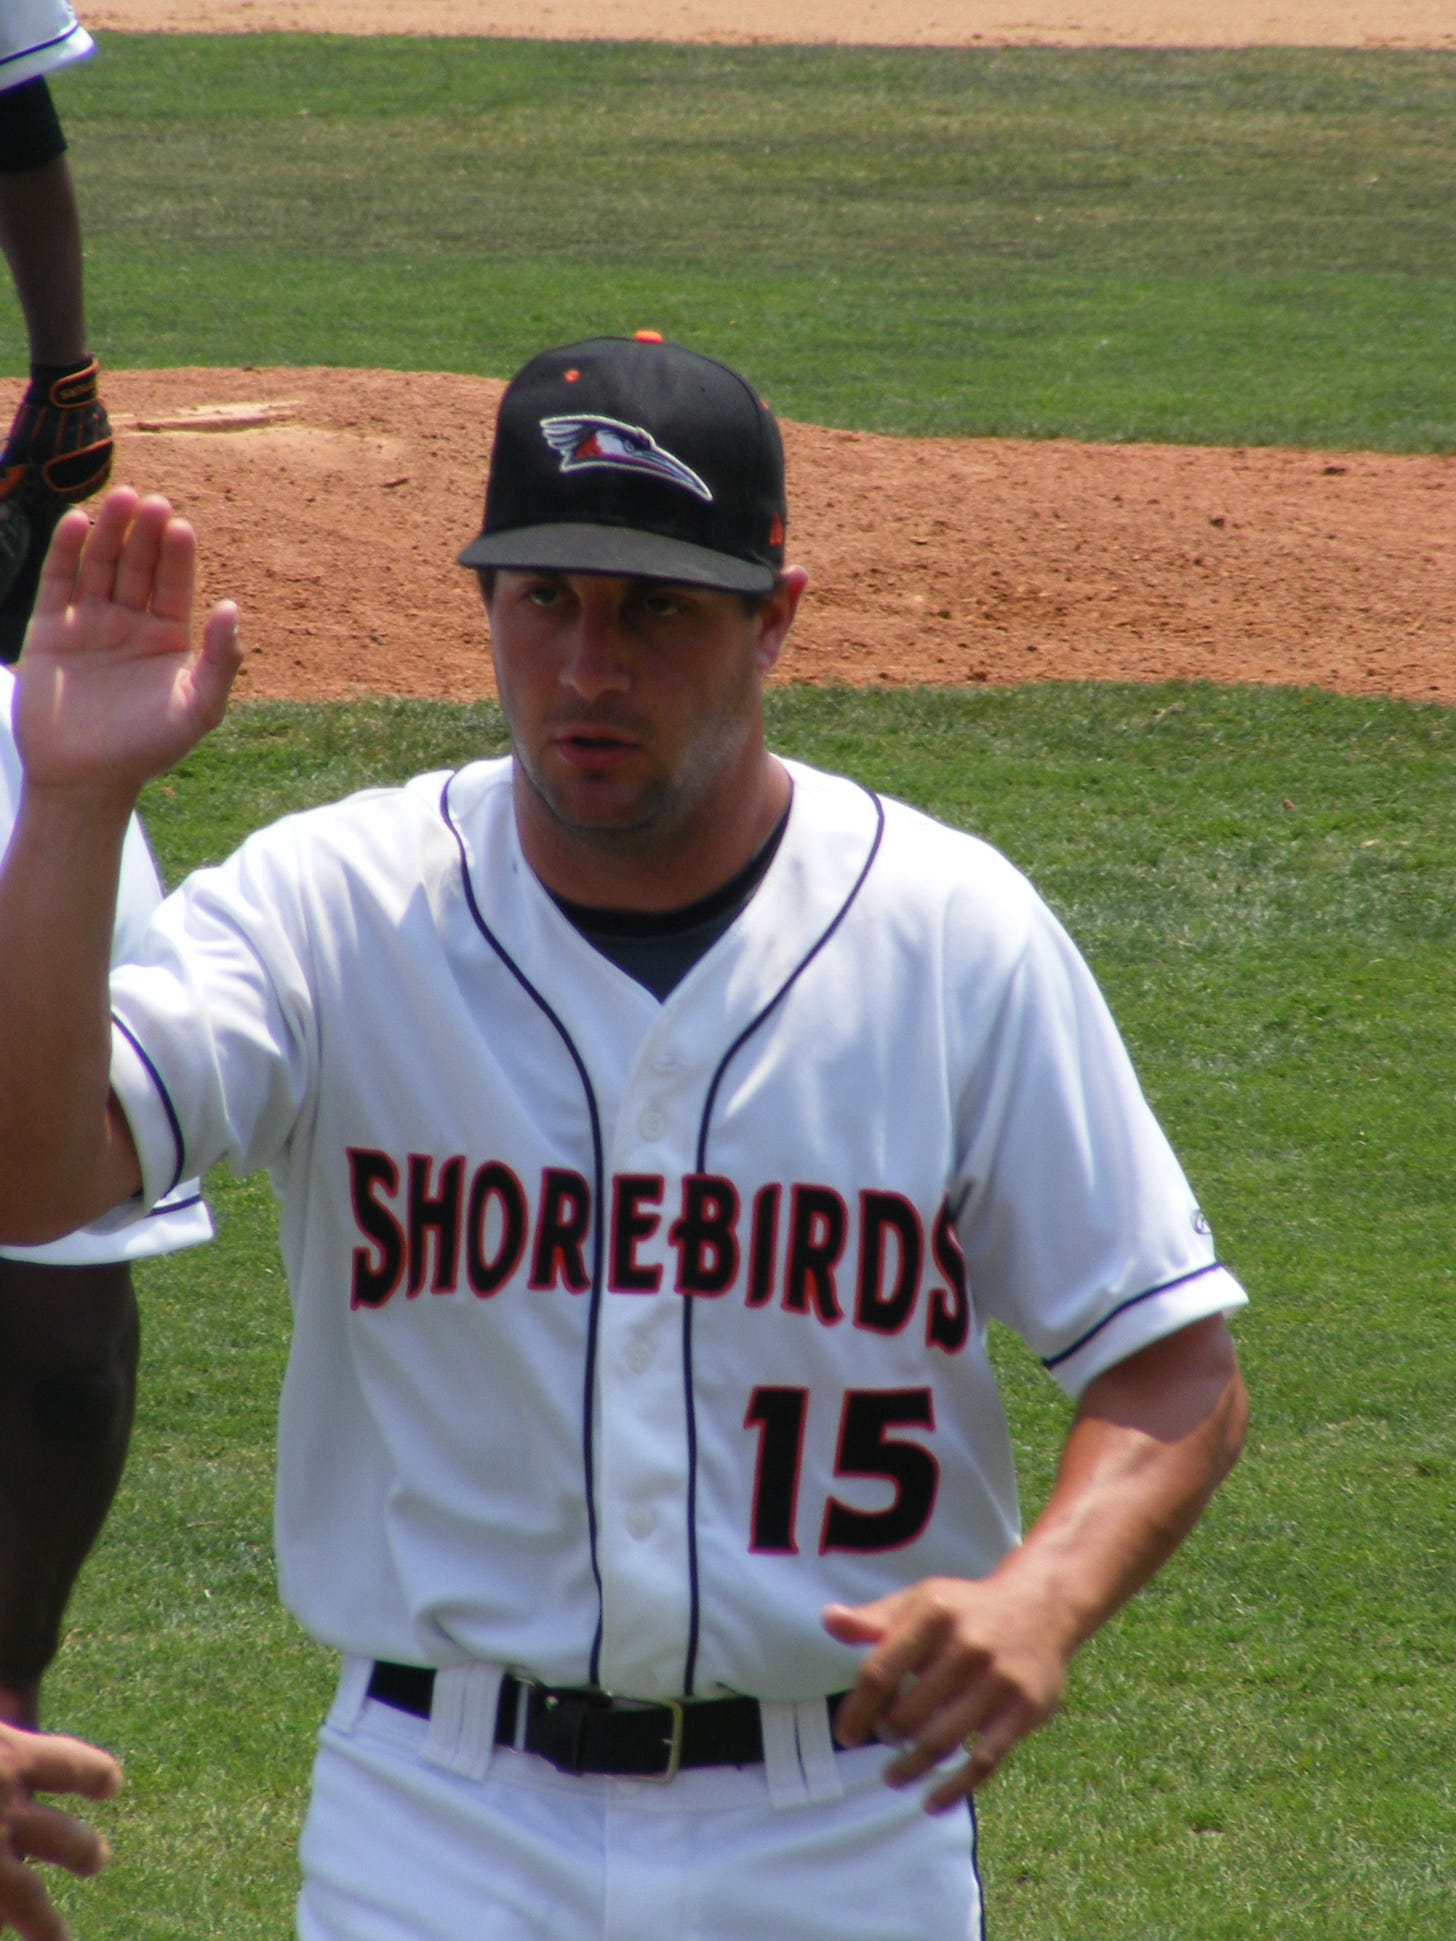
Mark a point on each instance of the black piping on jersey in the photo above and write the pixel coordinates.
(701, 1162)
(165, 1096)
(598, 1194)
(1195, 1273)
(980, 1934)
(165, 1208)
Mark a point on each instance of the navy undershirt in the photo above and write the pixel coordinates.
(660, 947)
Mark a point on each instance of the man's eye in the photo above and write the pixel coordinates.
(662, 605)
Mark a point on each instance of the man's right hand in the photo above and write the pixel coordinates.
(111, 692)
(41, 1762)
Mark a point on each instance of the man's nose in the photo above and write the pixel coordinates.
(597, 664)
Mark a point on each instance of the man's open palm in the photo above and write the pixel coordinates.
(111, 688)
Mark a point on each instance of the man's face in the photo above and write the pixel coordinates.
(633, 705)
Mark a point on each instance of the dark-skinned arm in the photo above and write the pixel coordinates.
(68, 1361)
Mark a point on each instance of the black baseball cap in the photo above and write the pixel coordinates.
(632, 456)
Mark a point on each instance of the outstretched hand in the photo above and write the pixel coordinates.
(111, 690)
(41, 1762)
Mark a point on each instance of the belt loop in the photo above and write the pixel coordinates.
(523, 1690)
(350, 1693)
(822, 1776)
(462, 1718)
(782, 1770)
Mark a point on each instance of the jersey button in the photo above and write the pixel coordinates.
(640, 1523)
(652, 1124)
(665, 1060)
(639, 1356)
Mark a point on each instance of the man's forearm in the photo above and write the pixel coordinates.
(970, 1666)
(1151, 1441)
(57, 905)
(68, 1363)
(110, 693)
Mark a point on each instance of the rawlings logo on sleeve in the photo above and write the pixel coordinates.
(444, 1227)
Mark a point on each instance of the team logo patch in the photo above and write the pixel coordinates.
(585, 441)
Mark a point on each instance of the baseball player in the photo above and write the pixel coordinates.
(59, 447)
(658, 1125)
(68, 1363)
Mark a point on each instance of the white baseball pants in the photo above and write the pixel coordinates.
(426, 1831)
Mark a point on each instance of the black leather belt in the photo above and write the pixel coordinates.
(590, 1732)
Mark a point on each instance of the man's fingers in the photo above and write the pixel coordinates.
(217, 665)
(32, 1830)
(882, 1676)
(48, 1762)
(41, 1832)
(25, 1905)
(986, 1751)
(175, 577)
(137, 580)
(104, 546)
(58, 573)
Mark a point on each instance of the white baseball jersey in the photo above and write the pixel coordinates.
(180, 1219)
(38, 36)
(628, 1334)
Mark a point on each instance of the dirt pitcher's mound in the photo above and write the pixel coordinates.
(332, 505)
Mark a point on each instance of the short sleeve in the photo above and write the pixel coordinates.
(1079, 1228)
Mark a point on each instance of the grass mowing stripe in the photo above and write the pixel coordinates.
(1262, 1746)
(1206, 247)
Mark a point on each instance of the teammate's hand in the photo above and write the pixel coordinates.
(41, 1762)
(955, 1667)
(111, 691)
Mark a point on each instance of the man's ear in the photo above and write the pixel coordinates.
(776, 616)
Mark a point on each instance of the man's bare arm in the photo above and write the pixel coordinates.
(959, 1665)
(110, 693)
(68, 1365)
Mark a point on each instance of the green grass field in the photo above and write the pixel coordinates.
(1219, 248)
(1231, 248)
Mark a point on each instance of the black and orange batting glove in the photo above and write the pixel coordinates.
(60, 443)
(58, 452)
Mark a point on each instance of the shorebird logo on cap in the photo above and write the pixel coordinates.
(585, 441)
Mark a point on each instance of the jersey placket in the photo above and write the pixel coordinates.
(644, 1456)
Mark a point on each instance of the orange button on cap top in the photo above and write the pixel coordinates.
(648, 336)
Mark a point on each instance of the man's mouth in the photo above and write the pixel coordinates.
(594, 748)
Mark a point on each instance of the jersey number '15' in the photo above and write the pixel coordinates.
(866, 1448)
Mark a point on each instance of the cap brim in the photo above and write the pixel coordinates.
(563, 548)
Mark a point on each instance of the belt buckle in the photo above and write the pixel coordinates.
(569, 1710)
(674, 1742)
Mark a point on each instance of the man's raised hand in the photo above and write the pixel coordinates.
(112, 690)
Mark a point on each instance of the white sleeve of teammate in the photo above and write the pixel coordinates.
(1080, 1230)
(182, 1219)
(213, 1045)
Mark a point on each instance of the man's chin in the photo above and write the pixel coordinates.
(601, 808)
